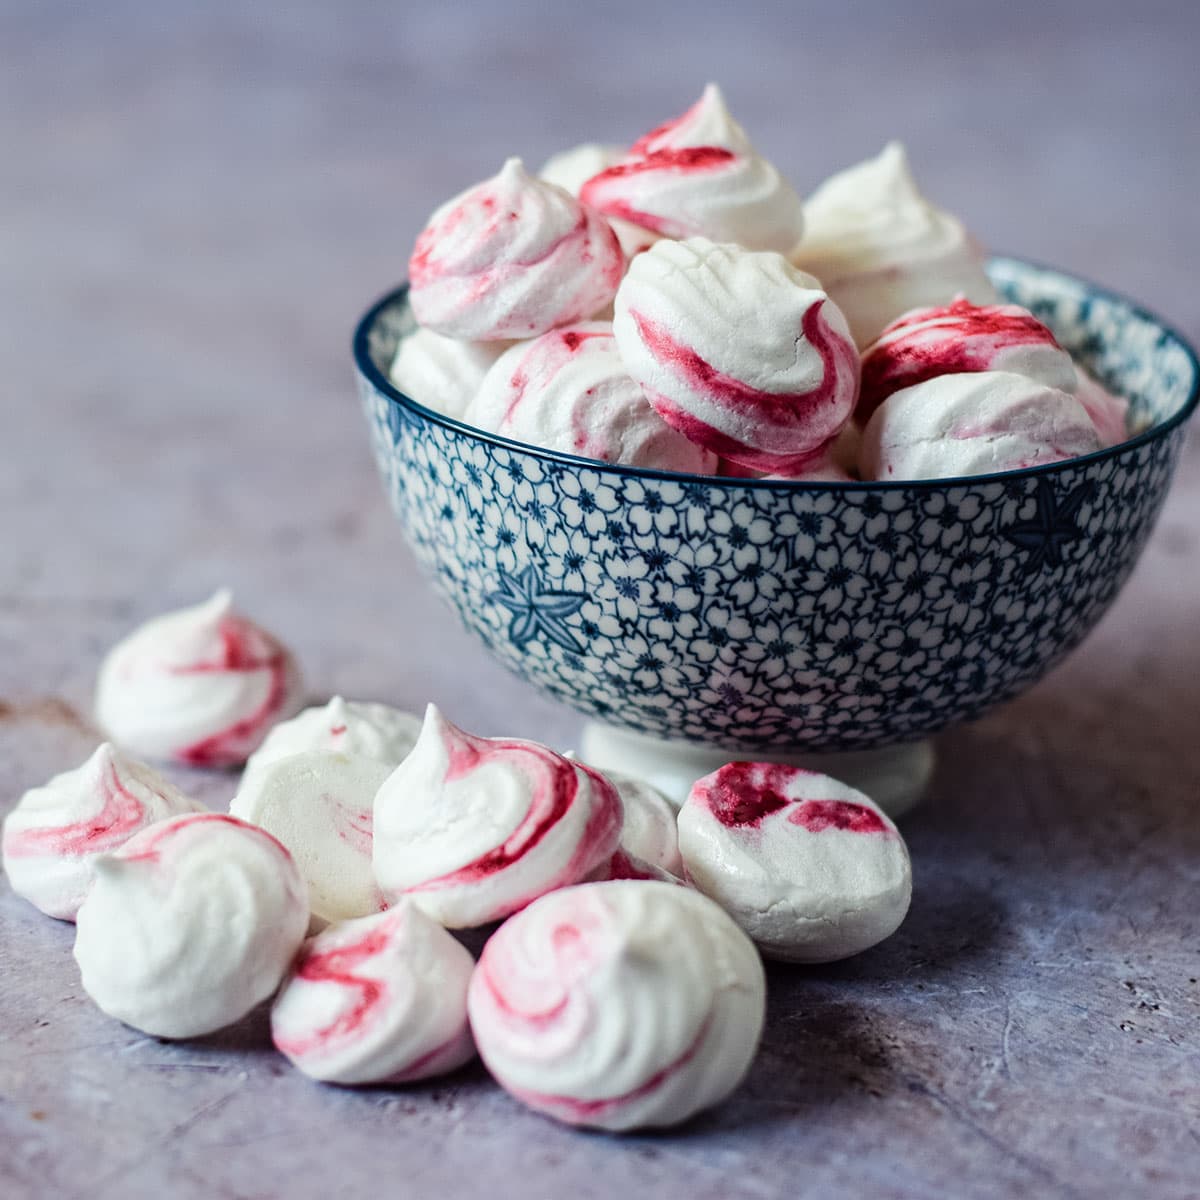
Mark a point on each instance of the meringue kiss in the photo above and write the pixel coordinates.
(511, 258)
(475, 828)
(200, 686)
(56, 832)
(767, 398)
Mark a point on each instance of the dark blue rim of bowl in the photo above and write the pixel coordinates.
(382, 384)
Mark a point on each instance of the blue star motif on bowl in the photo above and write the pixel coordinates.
(537, 610)
(1052, 527)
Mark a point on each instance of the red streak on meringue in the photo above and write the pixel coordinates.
(147, 846)
(120, 815)
(237, 656)
(354, 826)
(555, 788)
(741, 794)
(337, 967)
(580, 1110)
(965, 338)
(795, 409)
(818, 815)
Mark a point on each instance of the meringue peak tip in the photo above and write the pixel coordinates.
(220, 603)
(513, 168)
(713, 95)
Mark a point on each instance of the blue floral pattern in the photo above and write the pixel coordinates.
(756, 615)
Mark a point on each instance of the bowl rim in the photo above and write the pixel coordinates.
(382, 384)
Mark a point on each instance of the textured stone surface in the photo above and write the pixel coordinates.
(197, 201)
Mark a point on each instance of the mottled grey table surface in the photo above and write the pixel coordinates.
(196, 200)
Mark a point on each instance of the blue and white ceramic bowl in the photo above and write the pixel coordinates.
(766, 614)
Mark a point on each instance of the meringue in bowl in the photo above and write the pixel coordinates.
(784, 617)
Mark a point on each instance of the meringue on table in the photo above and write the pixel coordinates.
(619, 1005)
(53, 837)
(473, 828)
(201, 686)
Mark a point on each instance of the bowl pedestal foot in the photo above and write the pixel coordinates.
(895, 777)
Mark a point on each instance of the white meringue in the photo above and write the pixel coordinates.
(568, 390)
(811, 869)
(442, 373)
(190, 924)
(649, 830)
(1109, 413)
(381, 999)
(200, 686)
(319, 804)
(53, 837)
(512, 257)
(618, 1005)
(699, 175)
(880, 248)
(766, 398)
(571, 169)
(973, 424)
(623, 865)
(961, 337)
(353, 727)
(475, 828)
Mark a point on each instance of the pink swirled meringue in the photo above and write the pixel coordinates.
(767, 398)
(442, 373)
(568, 390)
(473, 829)
(319, 804)
(512, 257)
(973, 424)
(53, 837)
(811, 869)
(880, 248)
(700, 175)
(961, 337)
(618, 1005)
(355, 727)
(190, 924)
(381, 999)
(1109, 413)
(200, 686)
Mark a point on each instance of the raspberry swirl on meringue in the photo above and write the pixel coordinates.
(569, 390)
(475, 828)
(769, 398)
(618, 1005)
(56, 832)
(382, 999)
(811, 869)
(956, 338)
(512, 257)
(700, 175)
(201, 686)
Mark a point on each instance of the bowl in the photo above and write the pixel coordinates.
(772, 616)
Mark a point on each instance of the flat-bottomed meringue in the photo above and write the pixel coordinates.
(811, 869)
(56, 832)
(190, 924)
(200, 686)
(618, 1005)
(319, 805)
(381, 999)
(475, 828)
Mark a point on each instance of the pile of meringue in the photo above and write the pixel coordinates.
(677, 306)
(624, 987)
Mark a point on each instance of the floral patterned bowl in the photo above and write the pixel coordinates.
(765, 614)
